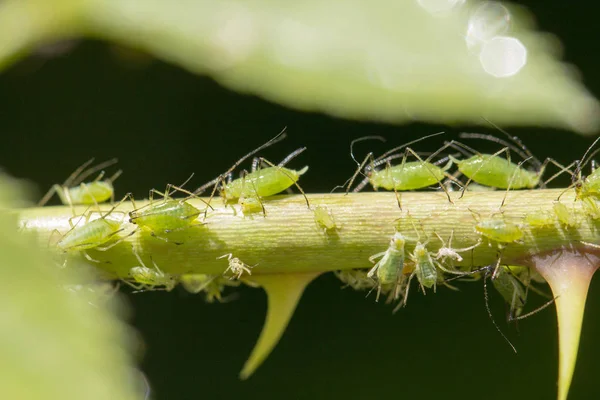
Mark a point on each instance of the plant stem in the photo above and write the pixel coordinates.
(287, 239)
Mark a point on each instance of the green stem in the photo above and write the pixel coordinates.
(288, 239)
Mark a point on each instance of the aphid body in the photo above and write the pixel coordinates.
(263, 182)
(148, 278)
(499, 230)
(492, 170)
(425, 269)
(388, 269)
(211, 285)
(356, 279)
(510, 287)
(566, 217)
(165, 216)
(540, 219)
(73, 191)
(408, 176)
(324, 218)
(89, 235)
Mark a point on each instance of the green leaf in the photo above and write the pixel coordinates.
(431, 60)
(55, 344)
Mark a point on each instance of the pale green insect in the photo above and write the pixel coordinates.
(94, 234)
(408, 175)
(261, 182)
(499, 230)
(566, 217)
(540, 219)
(357, 279)
(167, 215)
(73, 191)
(324, 218)
(586, 186)
(150, 278)
(495, 171)
(388, 270)
(212, 285)
(590, 207)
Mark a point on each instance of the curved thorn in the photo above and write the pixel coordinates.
(283, 294)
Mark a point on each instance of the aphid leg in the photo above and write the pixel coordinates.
(120, 240)
(406, 292)
(89, 258)
(190, 195)
(504, 150)
(510, 182)
(289, 157)
(427, 161)
(365, 181)
(487, 307)
(537, 310)
(295, 153)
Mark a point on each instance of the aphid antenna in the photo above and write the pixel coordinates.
(190, 195)
(290, 156)
(76, 179)
(128, 195)
(361, 139)
(491, 138)
(395, 149)
(530, 313)
(276, 139)
(487, 307)
(585, 159)
(515, 139)
(461, 148)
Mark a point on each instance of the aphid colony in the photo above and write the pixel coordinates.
(408, 257)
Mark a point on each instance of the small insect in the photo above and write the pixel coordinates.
(93, 234)
(388, 270)
(495, 171)
(406, 176)
(498, 229)
(168, 215)
(324, 218)
(236, 266)
(540, 219)
(150, 279)
(566, 217)
(262, 181)
(586, 186)
(447, 253)
(357, 279)
(590, 208)
(212, 285)
(73, 191)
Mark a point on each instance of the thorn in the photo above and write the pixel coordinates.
(569, 274)
(283, 294)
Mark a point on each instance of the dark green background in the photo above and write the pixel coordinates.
(164, 123)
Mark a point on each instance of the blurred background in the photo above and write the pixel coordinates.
(88, 99)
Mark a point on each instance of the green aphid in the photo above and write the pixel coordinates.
(167, 215)
(150, 278)
(263, 182)
(212, 285)
(494, 171)
(566, 217)
(540, 219)
(388, 270)
(408, 175)
(93, 234)
(511, 288)
(425, 268)
(324, 218)
(499, 230)
(74, 191)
